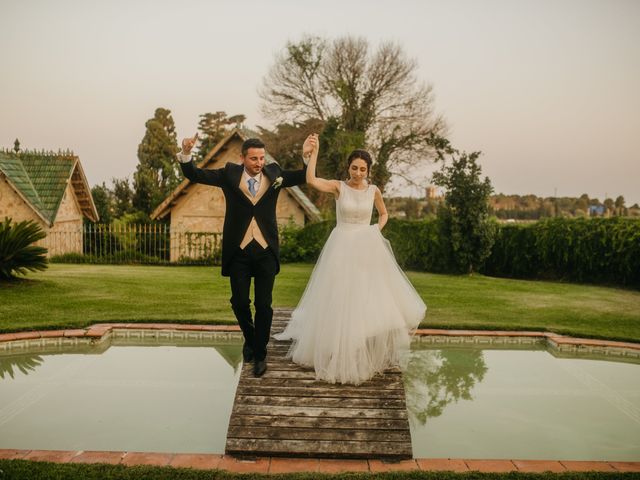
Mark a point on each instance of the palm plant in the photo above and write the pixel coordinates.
(17, 254)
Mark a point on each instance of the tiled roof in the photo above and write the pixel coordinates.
(41, 177)
(13, 168)
(49, 175)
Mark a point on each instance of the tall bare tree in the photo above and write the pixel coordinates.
(367, 93)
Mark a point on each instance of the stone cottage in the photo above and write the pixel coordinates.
(50, 189)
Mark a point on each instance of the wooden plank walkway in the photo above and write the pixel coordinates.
(287, 412)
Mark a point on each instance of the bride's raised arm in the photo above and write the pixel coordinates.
(320, 184)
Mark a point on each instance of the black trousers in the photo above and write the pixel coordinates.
(260, 264)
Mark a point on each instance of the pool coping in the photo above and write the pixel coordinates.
(286, 465)
(98, 330)
(275, 465)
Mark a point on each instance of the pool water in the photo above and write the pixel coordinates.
(173, 392)
(160, 398)
(476, 402)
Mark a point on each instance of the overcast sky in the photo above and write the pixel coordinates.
(548, 90)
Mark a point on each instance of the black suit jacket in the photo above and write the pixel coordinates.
(239, 209)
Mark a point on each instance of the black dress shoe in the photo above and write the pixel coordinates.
(259, 368)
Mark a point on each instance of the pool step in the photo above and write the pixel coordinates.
(287, 412)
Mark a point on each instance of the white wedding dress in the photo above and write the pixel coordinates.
(359, 310)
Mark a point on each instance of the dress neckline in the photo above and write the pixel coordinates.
(357, 189)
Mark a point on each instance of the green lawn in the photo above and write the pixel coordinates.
(79, 295)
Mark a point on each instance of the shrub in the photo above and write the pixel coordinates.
(418, 245)
(17, 254)
(304, 244)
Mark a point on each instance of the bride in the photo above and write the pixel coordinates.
(359, 310)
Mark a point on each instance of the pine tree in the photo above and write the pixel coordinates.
(157, 171)
(213, 127)
(103, 200)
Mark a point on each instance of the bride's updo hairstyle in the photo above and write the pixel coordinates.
(364, 155)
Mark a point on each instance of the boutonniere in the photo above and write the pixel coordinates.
(277, 182)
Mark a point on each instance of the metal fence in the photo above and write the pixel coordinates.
(133, 243)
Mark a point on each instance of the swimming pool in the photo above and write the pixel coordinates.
(521, 401)
(138, 391)
(173, 391)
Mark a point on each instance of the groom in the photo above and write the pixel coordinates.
(250, 247)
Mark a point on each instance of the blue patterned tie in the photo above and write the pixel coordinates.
(252, 186)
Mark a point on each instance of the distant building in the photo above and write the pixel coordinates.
(50, 189)
(432, 192)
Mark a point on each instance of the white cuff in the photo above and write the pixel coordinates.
(305, 160)
(184, 158)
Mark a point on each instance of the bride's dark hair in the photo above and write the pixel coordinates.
(364, 155)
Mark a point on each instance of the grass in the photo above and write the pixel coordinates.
(67, 296)
(23, 469)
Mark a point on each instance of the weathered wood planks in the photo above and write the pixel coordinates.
(287, 412)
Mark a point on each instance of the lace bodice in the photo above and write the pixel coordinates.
(354, 206)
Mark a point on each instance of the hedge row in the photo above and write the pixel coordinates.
(599, 250)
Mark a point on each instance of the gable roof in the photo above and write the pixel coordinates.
(41, 178)
(242, 133)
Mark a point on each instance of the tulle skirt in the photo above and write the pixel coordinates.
(358, 311)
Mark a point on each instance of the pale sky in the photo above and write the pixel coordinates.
(548, 90)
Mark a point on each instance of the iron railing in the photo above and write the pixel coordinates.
(133, 243)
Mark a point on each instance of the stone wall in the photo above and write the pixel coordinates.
(12, 205)
(65, 236)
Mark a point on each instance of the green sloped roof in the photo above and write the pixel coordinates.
(40, 177)
(49, 174)
(13, 168)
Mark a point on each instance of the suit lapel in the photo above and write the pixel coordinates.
(268, 176)
(264, 186)
(235, 179)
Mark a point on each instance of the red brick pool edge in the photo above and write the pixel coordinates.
(290, 465)
(100, 329)
(286, 465)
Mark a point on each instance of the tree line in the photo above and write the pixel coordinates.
(524, 207)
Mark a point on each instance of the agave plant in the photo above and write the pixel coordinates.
(17, 254)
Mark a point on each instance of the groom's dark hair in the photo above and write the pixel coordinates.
(251, 143)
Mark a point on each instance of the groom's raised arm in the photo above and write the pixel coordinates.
(193, 173)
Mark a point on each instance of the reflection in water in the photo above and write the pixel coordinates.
(435, 378)
(231, 354)
(24, 363)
